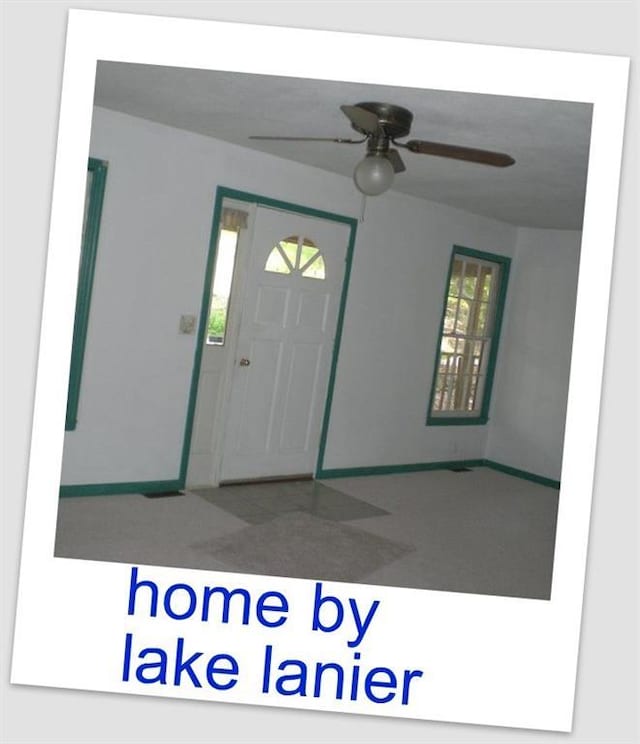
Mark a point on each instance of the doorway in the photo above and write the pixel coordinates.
(264, 394)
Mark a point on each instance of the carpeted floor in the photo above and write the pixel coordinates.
(480, 531)
(301, 545)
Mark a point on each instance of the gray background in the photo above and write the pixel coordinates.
(607, 689)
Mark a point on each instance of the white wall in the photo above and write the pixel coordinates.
(153, 244)
(391, 333)
(154, 238)
(530, 392)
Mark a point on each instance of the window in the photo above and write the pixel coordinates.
(94, 195)
(232, 221)
(296, 255)
(468, 343)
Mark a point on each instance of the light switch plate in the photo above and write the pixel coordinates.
(187, 324)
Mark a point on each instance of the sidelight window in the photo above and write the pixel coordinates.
(232, 221)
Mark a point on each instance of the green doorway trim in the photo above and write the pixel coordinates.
(222, 193)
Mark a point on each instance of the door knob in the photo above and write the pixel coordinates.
(245, 362)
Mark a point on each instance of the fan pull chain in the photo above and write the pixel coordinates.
(362, 209)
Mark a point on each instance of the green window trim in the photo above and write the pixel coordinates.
(483, 413)
(90, 233)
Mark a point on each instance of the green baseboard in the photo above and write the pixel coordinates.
(525, 475)
(417, 467)
(104, 489)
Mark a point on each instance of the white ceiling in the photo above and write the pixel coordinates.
(548, 139)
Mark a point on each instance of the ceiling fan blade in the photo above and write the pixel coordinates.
(310, 139)
(363, 120)
(470, 154)
(393, 156)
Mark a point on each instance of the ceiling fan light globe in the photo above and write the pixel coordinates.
(373, 175)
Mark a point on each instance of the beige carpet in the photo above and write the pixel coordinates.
(300, 545)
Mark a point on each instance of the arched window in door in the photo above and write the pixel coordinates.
(296, 255)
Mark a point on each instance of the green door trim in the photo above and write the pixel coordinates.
(223, 193)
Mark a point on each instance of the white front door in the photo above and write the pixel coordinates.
(283, 355)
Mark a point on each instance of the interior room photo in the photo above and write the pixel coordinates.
(323, 330)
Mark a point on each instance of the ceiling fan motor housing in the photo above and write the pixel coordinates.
(395, 121)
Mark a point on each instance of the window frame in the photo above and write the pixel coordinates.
(482, 416)
(88, 252)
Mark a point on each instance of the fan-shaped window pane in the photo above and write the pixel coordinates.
(315, 270)
(306, 254)
(289, 247)
(277, 262)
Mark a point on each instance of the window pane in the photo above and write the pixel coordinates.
(454, 282)
(448, 345)
(470, 281)
(462, 396)
(462, 322)
(471, 395)
(277, 263)
(481, 318)
(289, 247)
(437, 401)
(450, 317)
(307, 252)
(221, 291)
(486, 275)
(315, 270)
(478, 351)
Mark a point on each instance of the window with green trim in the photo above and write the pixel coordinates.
(469, 334)
(94, 196)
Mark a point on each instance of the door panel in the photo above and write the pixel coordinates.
(285, 344)
(299, 400)
(257, 397)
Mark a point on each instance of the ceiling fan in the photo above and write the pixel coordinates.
(382, 124)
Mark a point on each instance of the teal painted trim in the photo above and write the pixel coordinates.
(201, 337)
(418, 467)
(483, 417)
(505, 266)
(525, 475)
(222, 193)
(265, 201)
(105, 489)
(324, 432)
(415, 467)
(89, 249)
(480, 255)
(457, 420)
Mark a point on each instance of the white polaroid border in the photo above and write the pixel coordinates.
(488, 660)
